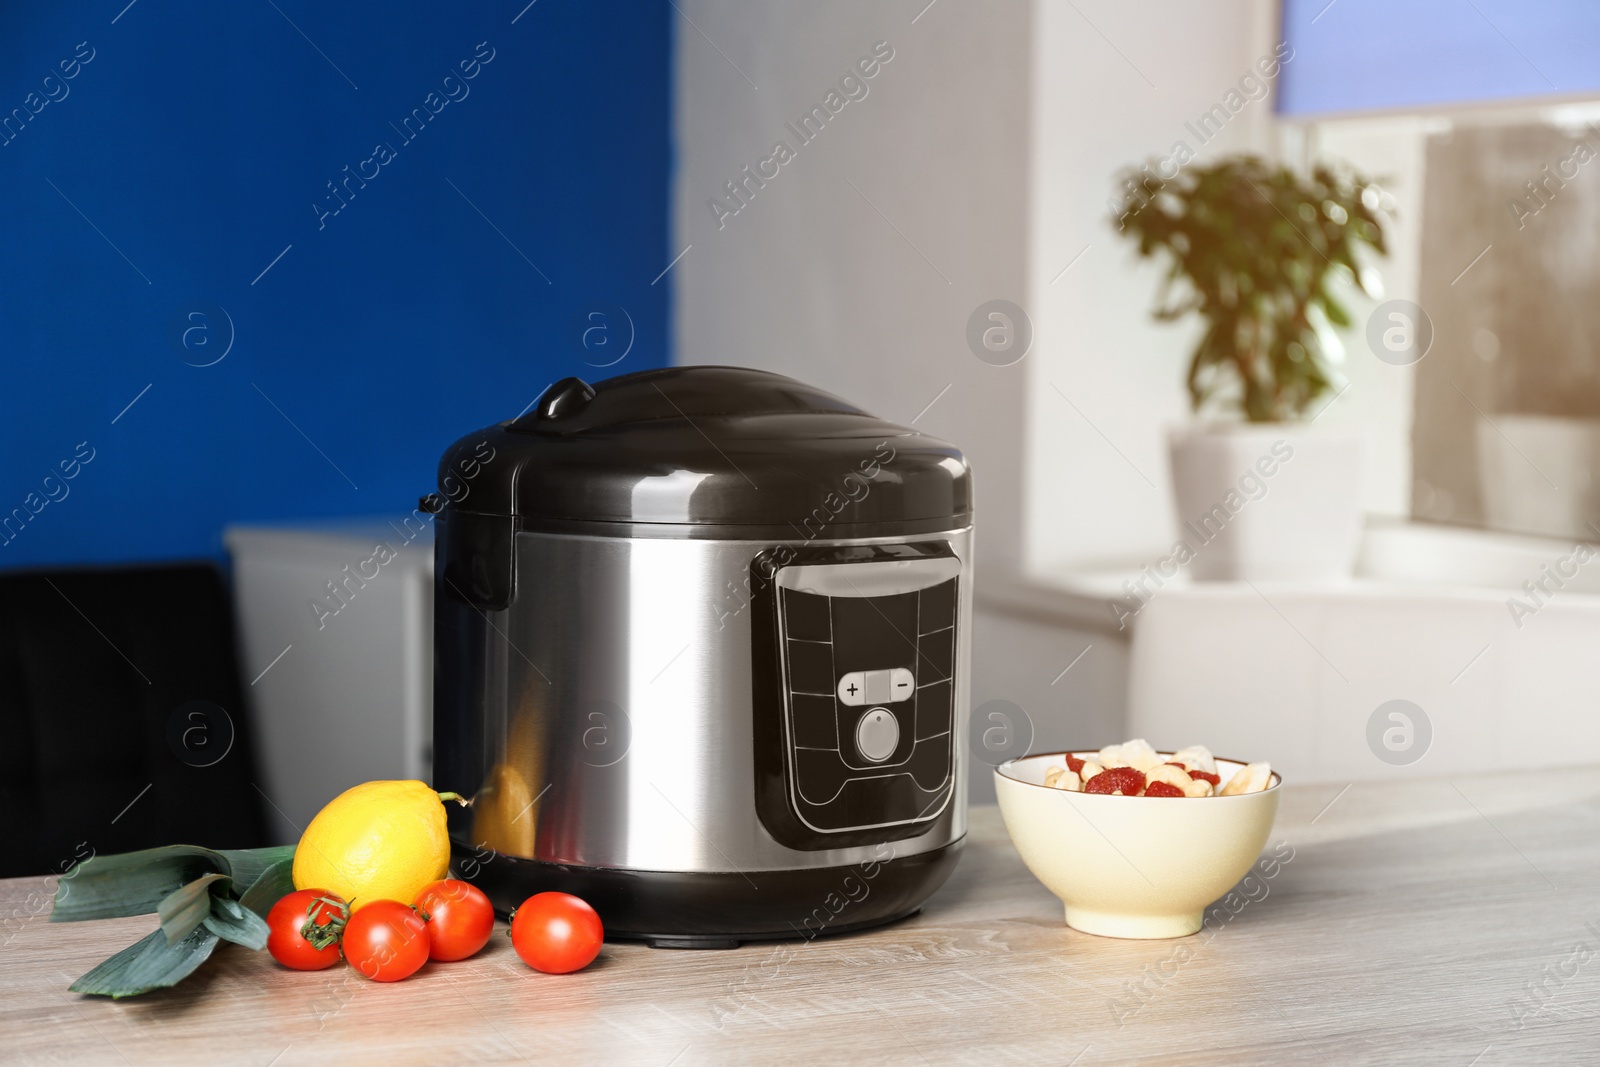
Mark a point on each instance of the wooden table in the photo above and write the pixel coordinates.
(1418, 921)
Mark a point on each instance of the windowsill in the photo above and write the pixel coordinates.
(1395, 555)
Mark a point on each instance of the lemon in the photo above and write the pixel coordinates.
(375, 841)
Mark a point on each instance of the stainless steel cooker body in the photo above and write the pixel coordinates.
(660, 703)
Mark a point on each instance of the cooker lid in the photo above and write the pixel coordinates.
(705, 445)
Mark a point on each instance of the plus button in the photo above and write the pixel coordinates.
(853, 689)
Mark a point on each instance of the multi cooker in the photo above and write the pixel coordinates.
(701, 656)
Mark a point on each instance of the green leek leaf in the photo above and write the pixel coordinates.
(130, 883)
(150, 963)
(231, 921)
(135, 883)
(274, 884)
(191, 889)
(247, 865)
(187, 906)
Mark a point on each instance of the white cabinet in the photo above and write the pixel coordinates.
(336, 628)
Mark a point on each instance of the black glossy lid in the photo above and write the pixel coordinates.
(705, 445)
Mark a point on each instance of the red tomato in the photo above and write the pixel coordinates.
(460, 918)
(556, 933)
(303, 929)
(386, 941)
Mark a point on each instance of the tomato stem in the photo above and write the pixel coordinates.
(322, 935)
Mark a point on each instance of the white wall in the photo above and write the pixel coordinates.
(856, 268)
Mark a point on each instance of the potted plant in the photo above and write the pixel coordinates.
(1259, 253)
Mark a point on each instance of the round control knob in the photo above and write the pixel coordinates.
(877, 734)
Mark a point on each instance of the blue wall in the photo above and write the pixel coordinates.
(196, 139)
(1365, 55)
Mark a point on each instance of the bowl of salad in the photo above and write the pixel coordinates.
(1135, 842)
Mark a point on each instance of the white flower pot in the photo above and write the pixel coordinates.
(1534, 473)
(1267, 502)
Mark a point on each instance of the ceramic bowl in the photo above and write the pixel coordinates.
(1139, 867)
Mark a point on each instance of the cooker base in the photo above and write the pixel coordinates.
(718, 910)
(720, 941)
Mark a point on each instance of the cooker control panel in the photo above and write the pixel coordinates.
(866, 646)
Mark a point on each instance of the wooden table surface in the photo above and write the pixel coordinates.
(1422, 921)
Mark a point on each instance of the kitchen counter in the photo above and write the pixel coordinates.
(1413, 921)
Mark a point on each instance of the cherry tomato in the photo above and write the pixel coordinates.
(303, 929)
(460, 918)
(386, 941)
(556, 933)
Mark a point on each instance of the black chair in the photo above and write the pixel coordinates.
(123, 722)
